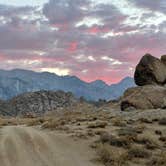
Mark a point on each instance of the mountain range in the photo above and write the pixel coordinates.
(18, 81)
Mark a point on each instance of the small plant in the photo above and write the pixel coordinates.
(162, 138)
(159, 160)
(97, 124)
(120, 141)
(145, 120)
(158, 132)
(104, 137)
(138, 152)
(162, 121)
(111, 157)
(51, 124)
(148, 141)
(118, 122)
(127, 131)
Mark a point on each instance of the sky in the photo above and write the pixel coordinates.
(91, 39)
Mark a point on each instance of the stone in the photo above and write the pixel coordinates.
(150, 70)
(163, 59)
(144, 97)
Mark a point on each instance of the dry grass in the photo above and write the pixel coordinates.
(158, 160)
(110, 156)
(145, 120)
(118, 121)
(120, 141)
(138, 152)
(162, 138)
(148, 141)
(162, 121)
(51, 124)
(98, 124)
(127, 131)
(35, 121)
(140, 128)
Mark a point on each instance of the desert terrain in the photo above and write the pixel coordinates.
(85, 138)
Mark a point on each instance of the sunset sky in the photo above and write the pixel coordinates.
(91, 39)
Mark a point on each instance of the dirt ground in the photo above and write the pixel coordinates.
(94, 138)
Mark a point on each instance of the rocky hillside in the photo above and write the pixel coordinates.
(37, 103)
(15, 82)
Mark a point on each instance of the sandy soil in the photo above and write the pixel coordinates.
(28, 146)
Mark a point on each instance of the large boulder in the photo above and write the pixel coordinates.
(144, 97)
(150, 70)
(163, 59)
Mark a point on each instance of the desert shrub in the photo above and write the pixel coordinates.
(104, 154)
(162, 121)
(111, 157)
(97, 124)
(158, 132)
(118, 122)
(127, 131)
(162, 138)
(139, 128)
(113, 140)
(52, 124)
(104, 137)
(158, 160)
(138, 152)
(148, 141)
(145, 120)
(123, 141)
(34, 121)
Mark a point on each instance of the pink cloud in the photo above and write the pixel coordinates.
(73, 46)
(96, 29)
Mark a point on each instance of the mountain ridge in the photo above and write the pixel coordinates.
(18, 81)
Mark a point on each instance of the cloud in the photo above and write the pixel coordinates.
(89, 39)
(158, 5)
(62, 12)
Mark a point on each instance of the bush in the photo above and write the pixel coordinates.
(118, 122)
(147, 141)
(98, 124)
(162, 121)
(138, 152)
(52, 124)
(120, 141)
(111, 157)
(159, 160)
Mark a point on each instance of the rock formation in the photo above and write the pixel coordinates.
(37, 103)
(150, 76)
(150, 70)
(145, 97)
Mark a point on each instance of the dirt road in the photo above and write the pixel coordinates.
(27, 146)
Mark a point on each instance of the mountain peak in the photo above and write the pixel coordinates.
(98, 83)
(17, 81)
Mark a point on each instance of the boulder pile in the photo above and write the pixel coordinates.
(37, 103)
(150, 76)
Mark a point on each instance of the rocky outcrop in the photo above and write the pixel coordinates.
(5, 108)
(37, 103)
(145, 97)
(150, 76)
(150, 70)
(163, 59)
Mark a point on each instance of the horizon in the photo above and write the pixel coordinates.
(66, 75)
(92, 40)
